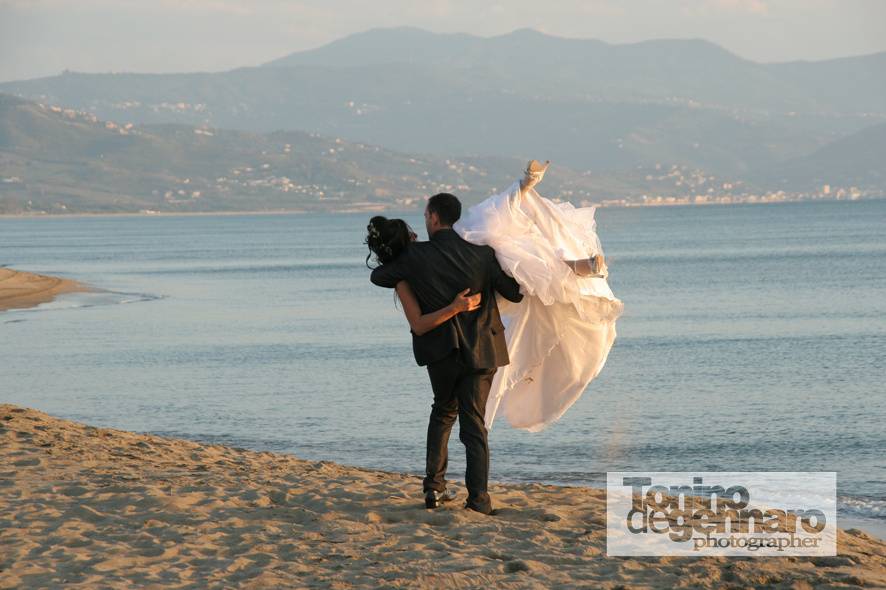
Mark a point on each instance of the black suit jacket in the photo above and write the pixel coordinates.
(439, 269)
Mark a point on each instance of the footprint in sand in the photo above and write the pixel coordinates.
(541, 514)
(394, 517)
(74, 491)
(76, 542)
(279, 497)
(516, 565)
(27, 462)
(440, 518)
(150, 549)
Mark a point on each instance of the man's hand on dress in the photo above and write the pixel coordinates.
(600, 267)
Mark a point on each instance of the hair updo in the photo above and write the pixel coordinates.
(386, 238)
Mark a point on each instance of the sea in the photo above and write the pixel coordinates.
(753, 339)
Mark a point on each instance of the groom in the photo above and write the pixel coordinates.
(462, 354)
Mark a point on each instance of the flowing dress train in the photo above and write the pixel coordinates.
(560, 335)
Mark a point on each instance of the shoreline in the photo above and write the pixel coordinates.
(160, 214)
(388, 210)
(22, 290)
(87, 507)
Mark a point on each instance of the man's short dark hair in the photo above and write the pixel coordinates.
(446, 206)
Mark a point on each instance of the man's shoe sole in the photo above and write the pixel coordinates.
(432, 502)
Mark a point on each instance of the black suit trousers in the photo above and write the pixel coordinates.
(459, 392)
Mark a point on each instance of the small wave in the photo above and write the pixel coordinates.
(87, 299)
(862, 507)
(114, 298)
(253, 268)
(138, 297)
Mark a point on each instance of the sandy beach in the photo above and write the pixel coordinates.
(20, 289)
(85, 507)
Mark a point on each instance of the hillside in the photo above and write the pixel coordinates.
(857, 160)
(588, 105)
(62, 160)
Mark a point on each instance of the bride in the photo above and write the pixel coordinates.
(560, 334)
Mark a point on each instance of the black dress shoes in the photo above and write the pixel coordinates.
(433, 498)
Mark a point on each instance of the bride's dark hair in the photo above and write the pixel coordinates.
(386, 238)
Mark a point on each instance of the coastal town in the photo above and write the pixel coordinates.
(299, 172)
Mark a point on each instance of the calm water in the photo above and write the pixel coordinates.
(752, 339)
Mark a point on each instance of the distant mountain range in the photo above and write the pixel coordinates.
(533, 64)
(613, 117)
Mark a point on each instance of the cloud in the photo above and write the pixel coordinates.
(748, 6)
(207, 6)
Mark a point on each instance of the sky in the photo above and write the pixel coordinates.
(43, 37)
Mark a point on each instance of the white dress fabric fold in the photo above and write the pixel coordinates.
(560, 334)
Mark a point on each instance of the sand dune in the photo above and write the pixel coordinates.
(24, 289)
(84, 507)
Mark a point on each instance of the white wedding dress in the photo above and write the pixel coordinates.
(560, 334)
